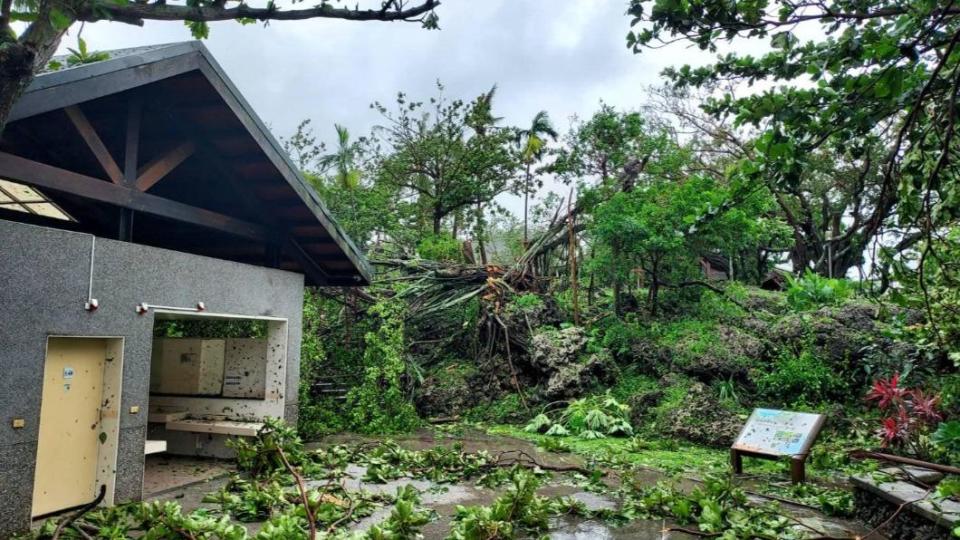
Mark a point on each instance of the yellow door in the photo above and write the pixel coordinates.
(66, 474)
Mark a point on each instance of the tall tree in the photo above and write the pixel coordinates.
(532, 143)
(24, 53)
(834, 209)
(879, 70)
(343, 160)
(448, 158)
(343, 180)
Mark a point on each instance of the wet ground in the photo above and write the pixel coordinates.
(444, 499)
(162, 472)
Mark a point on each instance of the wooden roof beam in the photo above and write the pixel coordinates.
(156, 170)
(89, 135)
(53, 178)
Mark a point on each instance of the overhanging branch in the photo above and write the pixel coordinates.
(132, 11)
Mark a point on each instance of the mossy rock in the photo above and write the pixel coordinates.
(577, 378)
(709, 351)
(447, 390)
(687, 410)
(756, 299)
(552, 349)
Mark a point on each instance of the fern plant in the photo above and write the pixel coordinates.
(589, 418)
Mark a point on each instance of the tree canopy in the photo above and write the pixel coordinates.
(875, 91)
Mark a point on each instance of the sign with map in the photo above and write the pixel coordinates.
(779, 433)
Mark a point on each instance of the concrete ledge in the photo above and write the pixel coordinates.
(164, 415)
(219, 427)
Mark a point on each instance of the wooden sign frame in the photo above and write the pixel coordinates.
(797, 461)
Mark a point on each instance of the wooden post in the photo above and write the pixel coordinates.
(272, 255)
(736, 461)
(131, 160)
(798, 470)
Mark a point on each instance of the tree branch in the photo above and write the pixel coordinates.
(131, 11)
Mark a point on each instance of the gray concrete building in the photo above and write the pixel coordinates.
(155, 241)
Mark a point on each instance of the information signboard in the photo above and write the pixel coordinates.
(773, 433)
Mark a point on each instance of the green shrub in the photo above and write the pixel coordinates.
(320, 359)
(620, 336)
(439, 247)
(812, 291)
(802, 378)
(528, 302)
(630, 384)
(947, 436)
(950, 393)
(506, 409)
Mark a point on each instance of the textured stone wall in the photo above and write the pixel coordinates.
(44, 275)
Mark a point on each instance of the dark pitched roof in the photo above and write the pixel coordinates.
(189, 84)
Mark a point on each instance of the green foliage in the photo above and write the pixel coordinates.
(629, 384)
(858, 66)
(949, 487)
(266, 452)
(812, 291)
(195, 328)
(539, 424)
(802, 378)
(515, 514)
(832, 502)
(950, 393)
(439, 247)
(249, 501)
(554, 445)
(716, 506)
(449, 154)
(405, 520)
(528, 302)
(947, 437)
(934, 293)
(621, 336)
(81, 55)
(663, 221)
(693, 342)
(497, 411)
(589, 418)
(727, 391)
(157, 520)
(380, 404)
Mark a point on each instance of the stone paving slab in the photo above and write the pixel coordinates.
(918, 500)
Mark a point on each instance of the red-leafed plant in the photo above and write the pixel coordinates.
(911, 415)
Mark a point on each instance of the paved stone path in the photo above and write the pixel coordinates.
(444, 499)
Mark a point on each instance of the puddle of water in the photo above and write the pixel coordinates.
(569, 528)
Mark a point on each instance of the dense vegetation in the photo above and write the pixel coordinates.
(656, 280)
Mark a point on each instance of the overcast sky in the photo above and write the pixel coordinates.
(564, 56)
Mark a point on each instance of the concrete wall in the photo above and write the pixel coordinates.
(44, 277)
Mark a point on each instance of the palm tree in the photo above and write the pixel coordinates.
(346, 174)
(532, 144)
